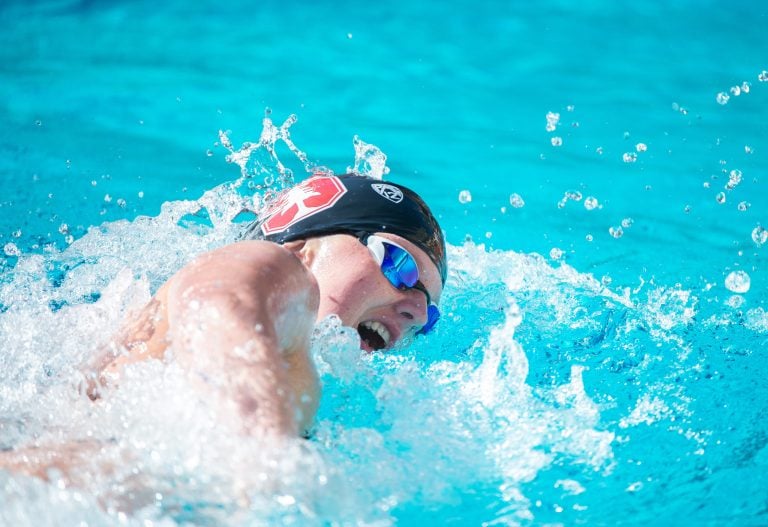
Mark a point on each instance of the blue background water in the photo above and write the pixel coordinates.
(121, 98)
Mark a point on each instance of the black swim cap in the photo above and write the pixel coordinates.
(349, 204)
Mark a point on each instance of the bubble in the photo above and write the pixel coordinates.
(627, 222)
(743, 206)
(735, 91)
(737, 282)
(516, 200)
(722, 98)
(747, 149)
(734, 178)
(465, 196)
(555, 253)
(556, 141)
(763, 76)
(616, 232)
(591, 203)
(629, 157)
(10, 249)
(759, 236)
(641, 147)
(720, 197)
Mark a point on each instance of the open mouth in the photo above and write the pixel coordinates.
(374, 334)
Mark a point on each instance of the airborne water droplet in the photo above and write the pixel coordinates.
(591, 203)
(722, 98)
(465, 196)
(629, 157)
(641, 147)
(763, 76)
(516, 200)
(10, 249)
(737, 282)
(743, 206)
(720, 197)
(759, 236)
(557, 141)
(616, 232)
(555, 253)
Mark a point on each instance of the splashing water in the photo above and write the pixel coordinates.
(536, 396)
(369, 160)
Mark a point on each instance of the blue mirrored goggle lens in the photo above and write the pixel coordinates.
(399, 266)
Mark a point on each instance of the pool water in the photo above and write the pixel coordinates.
(598, 169)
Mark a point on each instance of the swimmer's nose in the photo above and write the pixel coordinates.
(412, 310)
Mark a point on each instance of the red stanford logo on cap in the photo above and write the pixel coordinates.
(302, 201)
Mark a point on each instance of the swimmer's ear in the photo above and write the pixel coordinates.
(302, 250)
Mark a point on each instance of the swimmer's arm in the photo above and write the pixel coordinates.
(240, 320)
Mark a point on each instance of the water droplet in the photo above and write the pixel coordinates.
(503, 210)
(516, 200)
(552, 120)
(10, 249)
(209, 153)
(627, 222)
(488, 235)
(64, 228)
(94, 183)
(626, 135)
(121, 203)
(759, 236)
(556, 141)
(720, 197)
(465, 196)
(744, 205)
(641, 147)
(706, 184)
(69, 238)
(38, 122)
(687, 209)
(629, 157)
(616, 232)
(589, 237)
(737, 282)
(107, 198)
(747, 149)
(735, 91)
(734, 178)
(68, 163)
(763, 76)
(606, 280)
(570, 107)
(591, 203)
(599, 150)
(722, 98)
(555, 253)
(349, 35)
(140, 194)
(745, 86)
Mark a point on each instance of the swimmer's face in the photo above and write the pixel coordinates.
(353, 287)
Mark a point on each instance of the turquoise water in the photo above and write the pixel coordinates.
(582, 375)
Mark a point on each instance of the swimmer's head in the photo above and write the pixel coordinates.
(352, 204)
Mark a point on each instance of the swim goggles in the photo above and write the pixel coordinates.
(400, 268)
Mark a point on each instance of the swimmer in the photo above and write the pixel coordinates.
(239, 318)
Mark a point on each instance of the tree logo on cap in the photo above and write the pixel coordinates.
(302, 201)
(391, 192)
